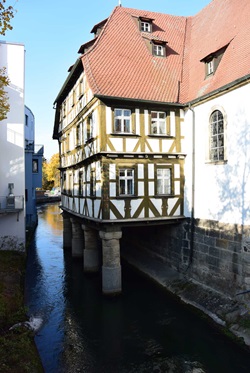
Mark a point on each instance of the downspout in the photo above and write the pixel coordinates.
(193, 189)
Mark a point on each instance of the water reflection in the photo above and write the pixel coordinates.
(143, 330)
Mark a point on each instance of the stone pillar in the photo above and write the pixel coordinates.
(90, 253)
(77, 239)
(67, 232)
(111, 264)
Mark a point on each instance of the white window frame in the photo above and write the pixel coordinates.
(164, 181)
(122, 121)
(145, 26)
(126, 181)
(158, 49)
(210, 67)
(217, 149)
(158, 124)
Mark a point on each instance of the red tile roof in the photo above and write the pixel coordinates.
(220, 23)
(119, 64)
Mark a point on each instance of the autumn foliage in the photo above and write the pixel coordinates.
(51, 173)
(6, 14)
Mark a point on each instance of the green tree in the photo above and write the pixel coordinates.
(6, 14)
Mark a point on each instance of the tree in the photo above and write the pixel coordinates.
(4, 104)
(6, 14)
(51, 173)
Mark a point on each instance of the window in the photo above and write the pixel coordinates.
(126, 181)
(164, 181)
(210, 67)
(64, 109)
(91, 126)
(80, 89)
(159, 49)
(26, 120)
(80, 191)
(35, 165)
(123, 121)
(92, 182)
(212, 61)
(158, 123)
(216, 148)
(145, 26)
(78, 135)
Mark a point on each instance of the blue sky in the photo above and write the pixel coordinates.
(52, 32)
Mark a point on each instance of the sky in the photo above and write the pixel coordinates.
(52, 32)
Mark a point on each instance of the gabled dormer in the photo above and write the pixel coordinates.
(212, 61)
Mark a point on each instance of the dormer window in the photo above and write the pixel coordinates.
(212, 61)
(210, 67)
(145, 26)
(159, 49)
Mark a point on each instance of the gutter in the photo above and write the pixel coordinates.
(130, 99)
(193, 190)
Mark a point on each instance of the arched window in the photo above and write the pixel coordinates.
(217, 137)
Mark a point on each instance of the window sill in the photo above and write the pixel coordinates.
(126, 196)
(124, 134)
(164, 196)
(161, 135)
(216, 162)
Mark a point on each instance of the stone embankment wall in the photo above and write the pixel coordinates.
(219, 257)
(214, 254)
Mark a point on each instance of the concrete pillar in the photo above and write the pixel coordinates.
(90, 253)
(67, 232)
(111, 263)
(77, 239)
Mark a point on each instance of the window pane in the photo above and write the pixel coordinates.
(216, 136)
(164, 181)
(118, 112)
(122, 186)
(158, 122)
(118, 125)
(126, 125)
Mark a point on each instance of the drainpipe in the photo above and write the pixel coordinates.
(193, 189)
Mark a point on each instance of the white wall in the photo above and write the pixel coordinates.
(12, 143)
(222, 191)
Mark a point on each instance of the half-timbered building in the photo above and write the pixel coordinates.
(146, 130)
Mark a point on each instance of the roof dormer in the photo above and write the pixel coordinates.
(212, 61)
(98, 27)
(145, 24)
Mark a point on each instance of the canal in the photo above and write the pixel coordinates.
(143, 330)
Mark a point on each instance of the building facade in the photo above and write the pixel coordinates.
(33, 170)
(12, 154)
(152, 124)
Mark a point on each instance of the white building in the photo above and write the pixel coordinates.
(12, 154)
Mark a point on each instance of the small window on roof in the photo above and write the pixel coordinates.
(212, 61)
(159, 49)
(145, 26)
